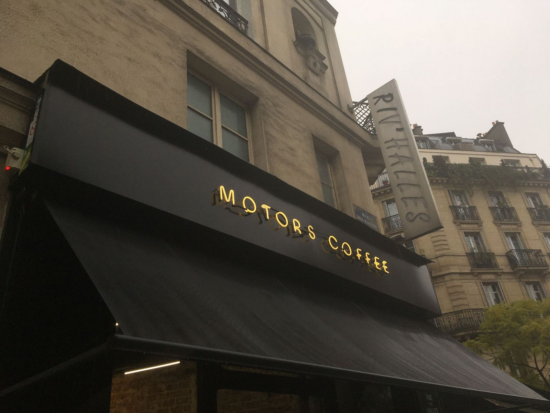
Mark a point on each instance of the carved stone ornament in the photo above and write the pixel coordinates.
(307, 47)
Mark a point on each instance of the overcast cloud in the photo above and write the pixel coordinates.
(460, 64)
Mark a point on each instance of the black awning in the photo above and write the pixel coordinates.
(182, 289)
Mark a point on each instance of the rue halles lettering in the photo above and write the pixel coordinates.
(403, 165)
(291, 227)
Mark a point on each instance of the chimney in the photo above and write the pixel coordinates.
(417, 130)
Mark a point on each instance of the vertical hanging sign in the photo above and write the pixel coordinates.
(413, 195)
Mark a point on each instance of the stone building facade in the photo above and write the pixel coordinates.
(257, 323)
(262, 79)
(276, 63)
(494, 208)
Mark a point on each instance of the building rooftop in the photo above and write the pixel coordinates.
(495, 140)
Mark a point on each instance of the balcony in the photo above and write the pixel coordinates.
(504, 214)
(392, 224)
(539, 214)
(382, 181)
(361, 110)
(526, 259)
(228, 14)
(482, 260)
(465, 213)
(461, 322)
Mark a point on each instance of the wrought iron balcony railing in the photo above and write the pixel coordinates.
(465, 213)
(461, 321)
(229, 14)
(526, 259)
(504, 214)
(482, 259)
(362, 113)
(392, 223)
(539, 214)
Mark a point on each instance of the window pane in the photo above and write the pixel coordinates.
(324, 171)
(409, 245)
(459, 198)
(514, 241)
(391, 208)
(199, 95)
(235, 144)
(474, 242)
(493, 293)
(328, 195)
(497, 199)
(199, 125)
(534, 200)
(233, 116)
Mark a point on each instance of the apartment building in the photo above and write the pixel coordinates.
(493, 201)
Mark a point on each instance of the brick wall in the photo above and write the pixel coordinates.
(167, 390)
(174, 389)
(233, 401)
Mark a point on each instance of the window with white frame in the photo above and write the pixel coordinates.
(390, 208)
(217, 118)
(497, 199)
(535, 291)
(546, 236)
(474, 242)
(459, 198)
(513, 239)
(325, 175)
(493, 293)
(534, 200)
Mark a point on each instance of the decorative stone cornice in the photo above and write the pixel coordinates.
(328, 11)
(541, 183)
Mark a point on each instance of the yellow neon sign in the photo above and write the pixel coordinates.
(343, 251)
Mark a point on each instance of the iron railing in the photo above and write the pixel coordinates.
(539, 214)
(482, 259)
(362, 113)
(526, 259)
(392, 223)
(504, 214)
(465, 213)
(461, 321)
(229, 14)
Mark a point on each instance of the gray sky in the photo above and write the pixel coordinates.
(460, 64)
